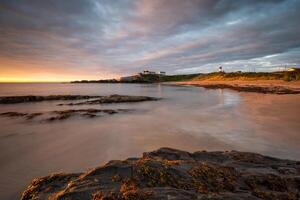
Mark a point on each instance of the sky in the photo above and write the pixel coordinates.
(63, 40)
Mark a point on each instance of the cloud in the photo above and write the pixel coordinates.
(122, 37)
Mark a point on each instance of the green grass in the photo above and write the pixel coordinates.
(220, 76)
(242, 76)
(231, 76)
(291, 76)
(183, 77)
(149, 78)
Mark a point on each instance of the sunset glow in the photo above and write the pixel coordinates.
(67, 40)
(149, 99)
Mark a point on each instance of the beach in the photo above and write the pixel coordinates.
(260, 86)
(74, 137)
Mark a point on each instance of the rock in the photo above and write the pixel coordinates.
(28, 116)
(98, 99)
(31, 98)
(13, 114)
(50, 183)
(114, 99)
(91, 113)
(173, 174)
(32, 115)
(66, 114)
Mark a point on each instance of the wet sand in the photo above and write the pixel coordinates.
(260, 86)
(275, 116)
(291, 84)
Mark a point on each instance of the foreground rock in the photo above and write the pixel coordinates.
(30, 98)
(114, 99)
(173, 174)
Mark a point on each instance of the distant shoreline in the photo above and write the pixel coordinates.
(283, 76)
(259, 86)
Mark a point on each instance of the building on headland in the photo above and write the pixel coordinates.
(130, 78)
(144, 76)
(220, 69)
(147, 72)
(161, 73)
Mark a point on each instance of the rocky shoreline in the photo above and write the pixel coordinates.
(60, 115)
(114, 99)
(97, 99)
(257, 88)
(32, 98)
(174, 174)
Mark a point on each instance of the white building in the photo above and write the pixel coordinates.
(146, 72)
(220, 69)
(161, 73)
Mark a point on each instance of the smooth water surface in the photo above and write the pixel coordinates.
(188, 118)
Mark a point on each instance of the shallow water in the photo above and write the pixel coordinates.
(188, 118)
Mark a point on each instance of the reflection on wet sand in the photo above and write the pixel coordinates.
(275, 119)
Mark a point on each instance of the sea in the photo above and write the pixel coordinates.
(186, 117)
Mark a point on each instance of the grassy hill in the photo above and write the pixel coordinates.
(247, 76)
(215, 76)
(231, 76)
(183, 77)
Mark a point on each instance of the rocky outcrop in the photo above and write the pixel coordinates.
(19, 114)
(174, 174)
(114, 99)
(31, 98)
(64, 114)
(96, 99)
(90, 113)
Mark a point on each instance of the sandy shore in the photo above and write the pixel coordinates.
(261, 86)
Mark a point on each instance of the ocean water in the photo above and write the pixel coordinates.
(187, 118)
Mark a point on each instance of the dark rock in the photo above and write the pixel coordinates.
(169, 154)
(114, 99)
(174, 174)
(18, 114)
(91, 113)
(52, 183)
(31, 98)
(60, 116)
(33, 115)
(13, 114)
(66, 114)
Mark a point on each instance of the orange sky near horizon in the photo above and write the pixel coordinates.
(45, 77)
(15, 71)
